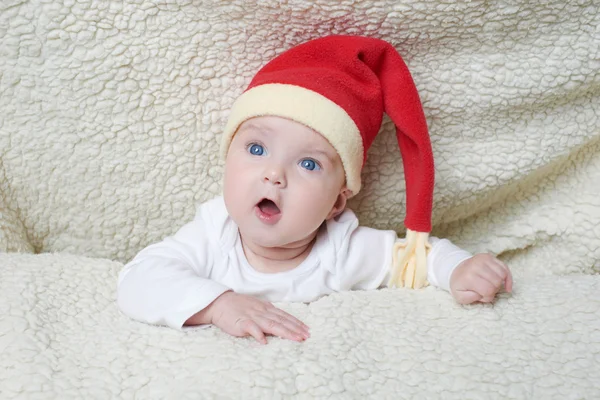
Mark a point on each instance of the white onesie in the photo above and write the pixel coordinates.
(169, 281)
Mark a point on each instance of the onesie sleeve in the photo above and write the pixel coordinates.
(168, 282)
(442, 260)
(364, 256)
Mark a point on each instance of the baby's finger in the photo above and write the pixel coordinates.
(252, 329)
(499, 270)
(467, 296)
(275, 328)
(484, 287)
(490, 275)
(289, 325)
(290, 318)
(487, 299)
(508, 279)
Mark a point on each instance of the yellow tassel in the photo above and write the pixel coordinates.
(409, 261)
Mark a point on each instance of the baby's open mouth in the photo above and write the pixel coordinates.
(268, 207)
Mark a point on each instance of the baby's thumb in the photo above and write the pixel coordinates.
(467, 296)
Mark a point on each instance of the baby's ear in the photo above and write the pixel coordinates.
(340, 203)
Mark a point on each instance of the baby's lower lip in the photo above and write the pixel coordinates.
(266, 218)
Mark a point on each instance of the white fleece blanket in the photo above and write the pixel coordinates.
(61, 336)
(110, 115)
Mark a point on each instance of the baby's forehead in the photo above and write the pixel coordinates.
(275, 124)
(294, 133)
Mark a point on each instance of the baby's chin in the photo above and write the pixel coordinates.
(270, 243)
(272, 240)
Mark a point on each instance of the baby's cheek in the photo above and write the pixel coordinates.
(232, 189)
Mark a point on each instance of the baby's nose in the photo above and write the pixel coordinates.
(275, 176)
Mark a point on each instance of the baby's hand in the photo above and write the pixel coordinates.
(479, 279)
(243, 315)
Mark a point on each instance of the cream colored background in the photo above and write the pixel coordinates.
(112, 111)
(110, 115)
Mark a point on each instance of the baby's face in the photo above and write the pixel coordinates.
(282, 180)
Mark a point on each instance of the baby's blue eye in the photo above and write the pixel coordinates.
(310, 164)
(256, 149)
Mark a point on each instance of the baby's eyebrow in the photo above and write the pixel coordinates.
(321, 152)
(255, 127)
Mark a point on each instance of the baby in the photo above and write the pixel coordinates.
(294, 147)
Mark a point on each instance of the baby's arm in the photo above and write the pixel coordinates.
(167, 282)
(365, 259)
(469, 278)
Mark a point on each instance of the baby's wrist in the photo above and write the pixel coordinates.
(202, 317)
(453, 276)
(206, 315)
(212, 310)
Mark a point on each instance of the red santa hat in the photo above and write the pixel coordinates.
(340, 86)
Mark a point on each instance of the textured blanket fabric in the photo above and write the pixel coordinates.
(61, 336)
(110, 115)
